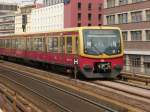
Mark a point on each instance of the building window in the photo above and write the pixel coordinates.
(136, 16)
(123, 2)
(89, 24)
(79, 5)
(99, 17)
(89, 6)
(89, 16)
(148, 15)
(110, 19)
(135, 1)
(135, 60)
(100, 7)
(136, 35)
(125, 35)
(123, 18)
(79, 24)
(147, 62)
(79, 16)
(110, 3)
(147, 34)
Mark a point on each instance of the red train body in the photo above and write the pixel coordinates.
(65, 48)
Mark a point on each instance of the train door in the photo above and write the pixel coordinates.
(75, 45)
(69, 50)
(62, 49)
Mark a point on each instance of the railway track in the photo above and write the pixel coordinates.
(122, 98)
(133, 84)
(127, 88)
(136, 77)
(90, 105)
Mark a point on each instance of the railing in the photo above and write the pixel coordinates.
(136, 67)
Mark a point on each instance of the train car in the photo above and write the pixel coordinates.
(94, 52)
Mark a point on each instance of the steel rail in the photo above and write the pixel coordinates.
(64, 108)
(131, 84)
(136, 77)
(122, 90)
(57, 88)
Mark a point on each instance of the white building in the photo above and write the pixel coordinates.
(47, 18)
(8, 1)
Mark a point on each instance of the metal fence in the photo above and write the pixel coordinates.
(136, 67)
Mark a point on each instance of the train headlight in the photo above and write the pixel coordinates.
(88, 68)
(118, 67)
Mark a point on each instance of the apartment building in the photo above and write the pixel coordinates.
(7, 16)
(133, 17)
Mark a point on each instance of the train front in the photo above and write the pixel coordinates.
(101, 54)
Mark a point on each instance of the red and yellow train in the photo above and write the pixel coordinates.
(96, 52)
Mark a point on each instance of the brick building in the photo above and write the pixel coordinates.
(79, 12)
(133, 17)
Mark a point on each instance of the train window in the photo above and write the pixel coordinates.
(62, 44)
(20, 43)
(13, 43)
(29, 43)
(8, 43)
(34, 48)
(69, 45)
(16, 44)
(3, 43)
(23, 43)
(55, 44)
(49, 47)
(38, 44)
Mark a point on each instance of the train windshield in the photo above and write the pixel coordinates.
(104, 41)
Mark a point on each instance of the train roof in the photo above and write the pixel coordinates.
(61, 30)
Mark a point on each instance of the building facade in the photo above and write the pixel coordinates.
(7, 24)
(83, 13)
(47, 18)
(7, 16)
(53, 2)
(133, 17)
(23, 18)
(60, 14)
